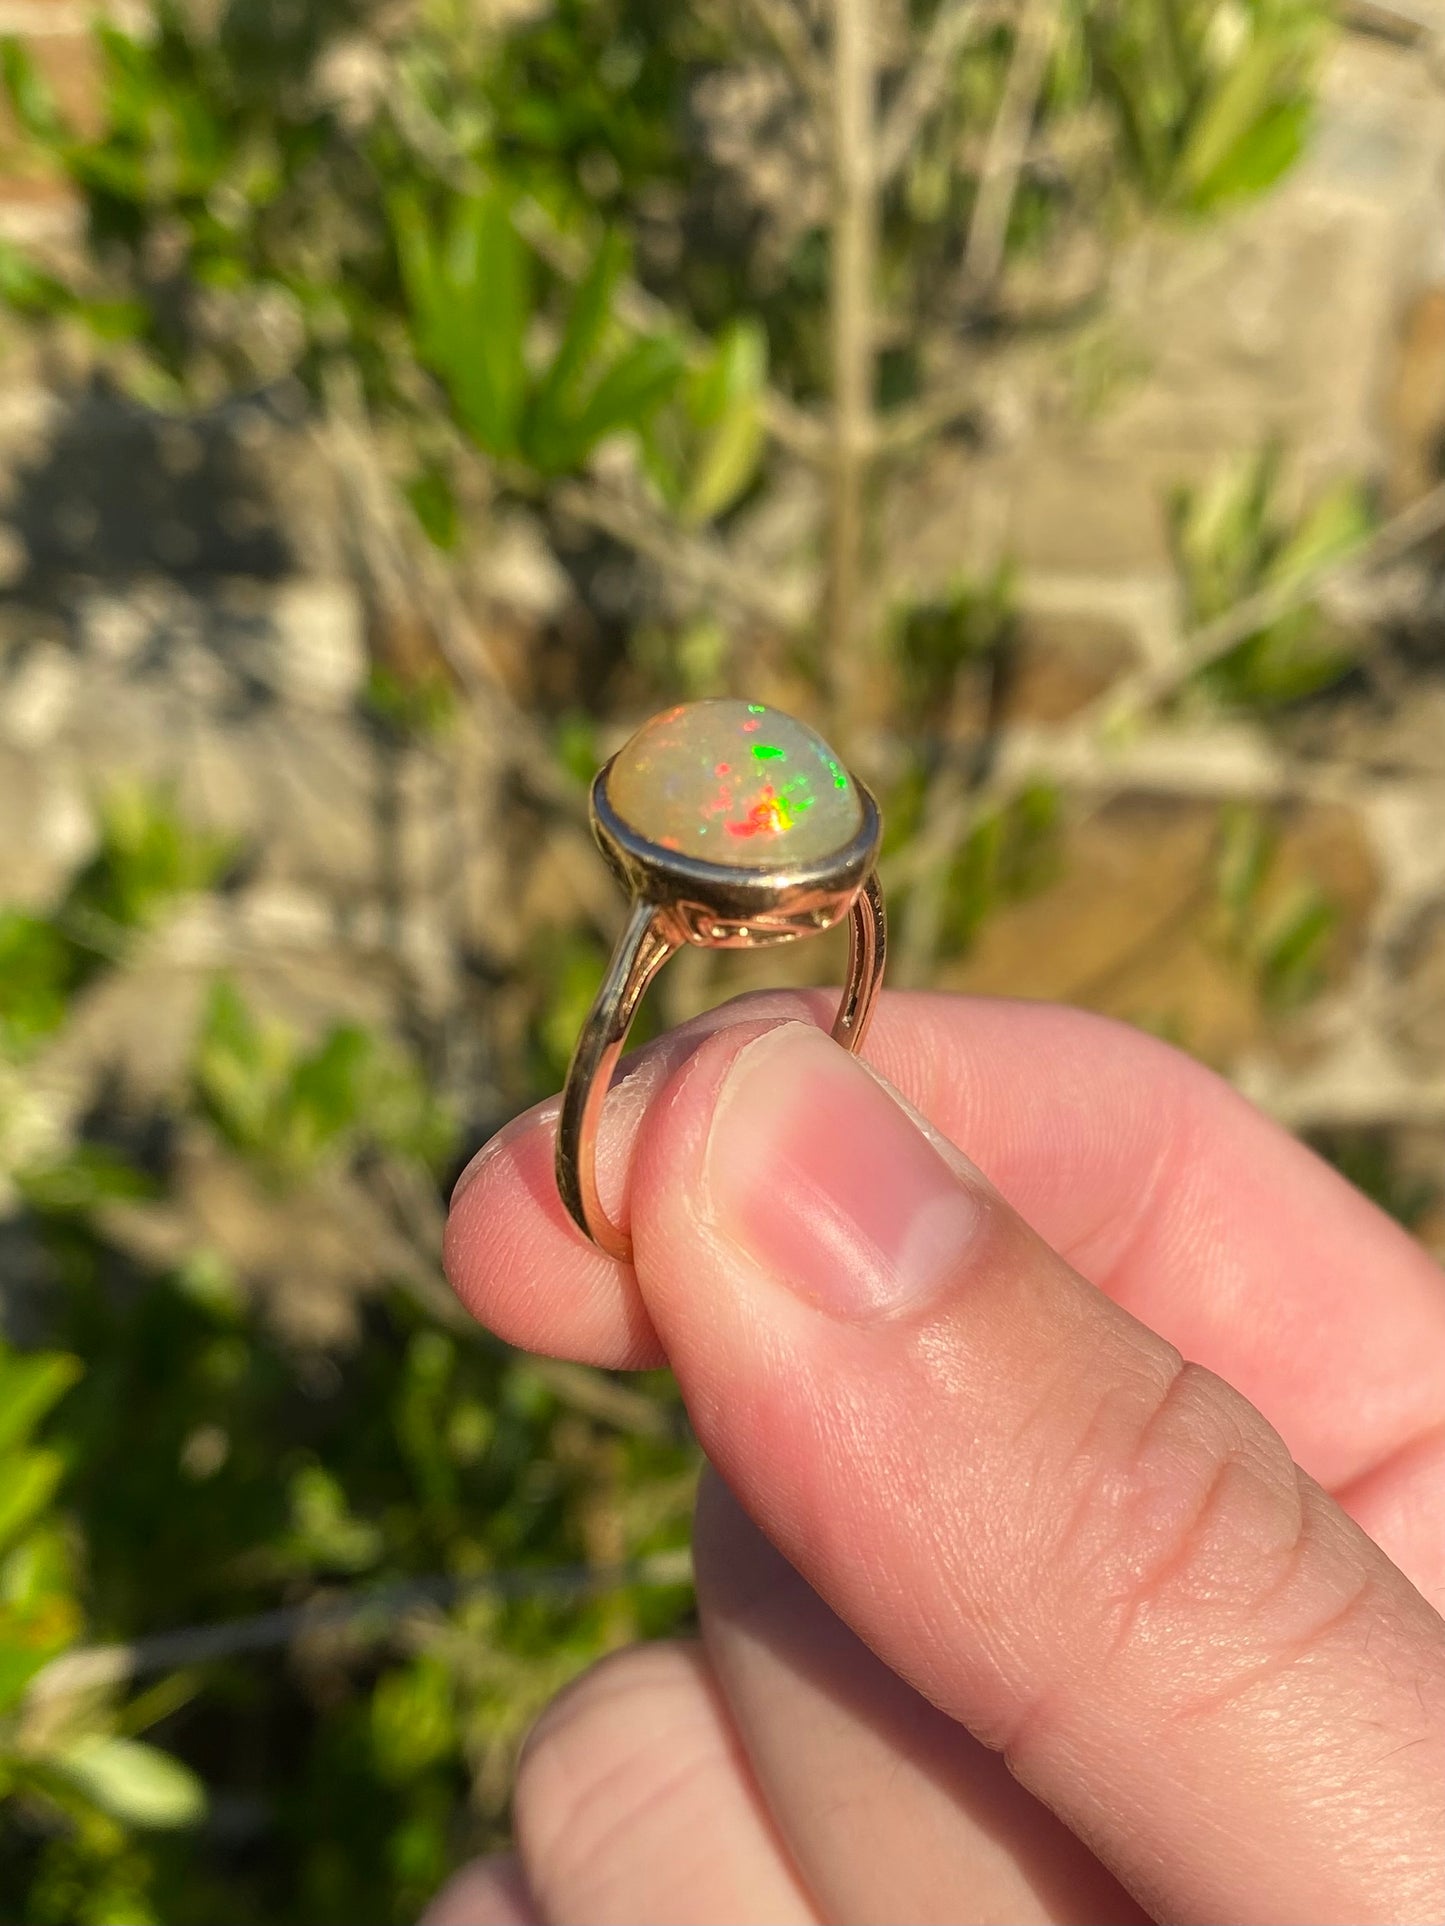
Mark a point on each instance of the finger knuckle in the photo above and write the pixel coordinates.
(1192, 1503)
(1199, 1574)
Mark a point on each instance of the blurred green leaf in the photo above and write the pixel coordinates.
(592, 391)
(563, 390)
(29, 1484)
(1340, 520)
(27, 288)
(239, 1067)
(725, 400)
(1232, 537)
(1293, 947)
(29, 1386)
(1009, 854)
(422, 705)
(326, 1091)
(1264, 153)
(39, 968)
(289, 1110)
(1247, 845)
(86, 1176)
(1283, 939)
(413, 1725)
(1230, 115)
(625, 395)
(935, 638)
(575, 742)
(325, 1533)
(1211, 98)
(468, 283)
(148, 857)
(135, 1783)
(29, 95)
(19, 1664)
(434, 504)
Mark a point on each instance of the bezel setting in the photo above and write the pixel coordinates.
(729, 906)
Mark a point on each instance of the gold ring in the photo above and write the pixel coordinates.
(730, 825)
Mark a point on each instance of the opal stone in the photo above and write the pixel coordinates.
(735, 783)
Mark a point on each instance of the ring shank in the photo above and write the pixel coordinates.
(641, 951)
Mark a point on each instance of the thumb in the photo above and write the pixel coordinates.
(1098, 1558)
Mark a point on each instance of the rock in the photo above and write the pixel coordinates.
(37, 700)
(42, 797)
(1058, 664)
(1416, 408)
(113, 626)
(519, 570)
(1278, 321)
(1418, 1012)
(315, 645)
(1133, 926)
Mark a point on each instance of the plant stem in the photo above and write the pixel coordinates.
(953, 26)
(687, 557)
(1008, 145)
(847, 652)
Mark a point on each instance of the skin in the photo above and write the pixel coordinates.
(1008, 1612)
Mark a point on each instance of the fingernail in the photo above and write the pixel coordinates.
(826, 1182)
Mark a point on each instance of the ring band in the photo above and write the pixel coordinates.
(750, 784)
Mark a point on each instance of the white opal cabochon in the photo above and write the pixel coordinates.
(736, 783)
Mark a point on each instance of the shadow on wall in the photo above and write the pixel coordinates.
(122, 491)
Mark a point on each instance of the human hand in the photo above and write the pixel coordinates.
(1011, 1521)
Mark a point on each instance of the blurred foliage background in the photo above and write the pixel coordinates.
(1046, 397)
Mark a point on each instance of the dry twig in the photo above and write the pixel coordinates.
(786, 32)
(953, 26)
(1207, 645)
(855, 218)
(1008, 146)
(904, 428)
(688, 558)
(365, 1614)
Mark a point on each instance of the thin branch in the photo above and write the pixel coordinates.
(1008, 146)
(1407, 26)
(791, 426)
(917, 421)
(584, 1388)
(368, 1614)
(786, 32)
(1149, 686)
(953, 26)
(689, 558)
(855, 240)
(1079, 747)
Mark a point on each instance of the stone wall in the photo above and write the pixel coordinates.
(179, 609)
